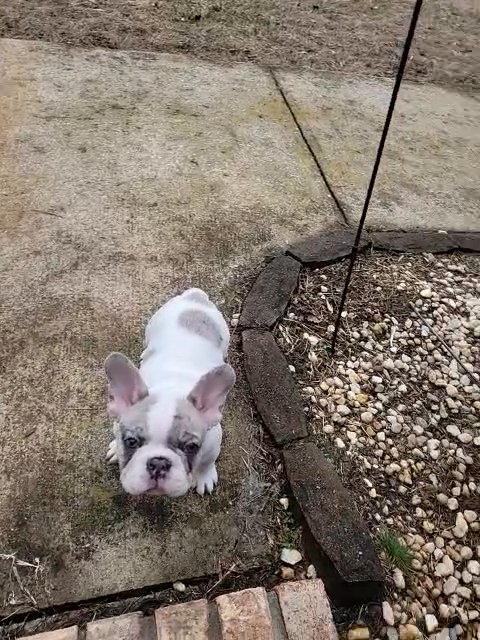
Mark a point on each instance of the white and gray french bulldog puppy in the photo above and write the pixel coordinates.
(167, 413)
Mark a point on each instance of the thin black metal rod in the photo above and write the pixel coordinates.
(388, 119)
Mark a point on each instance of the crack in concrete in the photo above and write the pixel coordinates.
(304, 137)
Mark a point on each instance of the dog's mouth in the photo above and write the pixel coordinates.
(155, 491)
(170, 486)
(170, 493)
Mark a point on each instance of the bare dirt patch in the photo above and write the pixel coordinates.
(361, 37)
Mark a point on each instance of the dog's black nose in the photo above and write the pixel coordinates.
(158, 467)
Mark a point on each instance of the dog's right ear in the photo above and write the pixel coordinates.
(125, 384)
(209, 394)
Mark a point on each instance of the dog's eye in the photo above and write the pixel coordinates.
(190, 448)
(131, 442)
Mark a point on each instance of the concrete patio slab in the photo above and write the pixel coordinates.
(429, 173)
(123, 178)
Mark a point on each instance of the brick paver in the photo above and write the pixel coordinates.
(187, 621)
(245, 615)
(133, 626)
(62, 634)
(305, 610)
(292, 611)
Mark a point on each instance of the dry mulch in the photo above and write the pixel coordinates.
(363, 37)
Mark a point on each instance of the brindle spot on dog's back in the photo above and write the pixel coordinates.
(199, 322)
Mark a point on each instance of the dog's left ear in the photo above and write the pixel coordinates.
(209, 394)
(125, 384)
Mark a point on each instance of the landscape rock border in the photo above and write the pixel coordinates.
(336, 537)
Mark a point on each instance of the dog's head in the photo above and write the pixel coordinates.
(159, 437)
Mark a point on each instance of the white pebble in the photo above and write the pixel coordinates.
(450, 586)
(431, 623)
(452, 504)
(445, 567)
(343, 410)
(470, 516)
(453, 430)
(461, 526)
(429, 547)
(444, 612)
(466, 553)
(358, 633)
(387, 612)
(464, 592)
(466, 577)
(473, 566)
(439, 542)
(311, 572)
(398, 579)
(290, 556)
(366, 417)
(451, 390)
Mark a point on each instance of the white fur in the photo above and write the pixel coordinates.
(174, 360)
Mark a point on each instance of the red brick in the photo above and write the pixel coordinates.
(306, 610)
(133, 626)
(187, 621)
(62, 634)
(245, 615)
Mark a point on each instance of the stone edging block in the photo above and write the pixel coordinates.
(337, 537)
(425, 241)
(326, 248)
(466, 241)
(413, 241)
(270, 294)
(274, 391)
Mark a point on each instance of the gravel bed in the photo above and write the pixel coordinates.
(398, 412)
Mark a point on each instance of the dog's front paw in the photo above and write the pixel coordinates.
(207, 480)
(112, 454)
